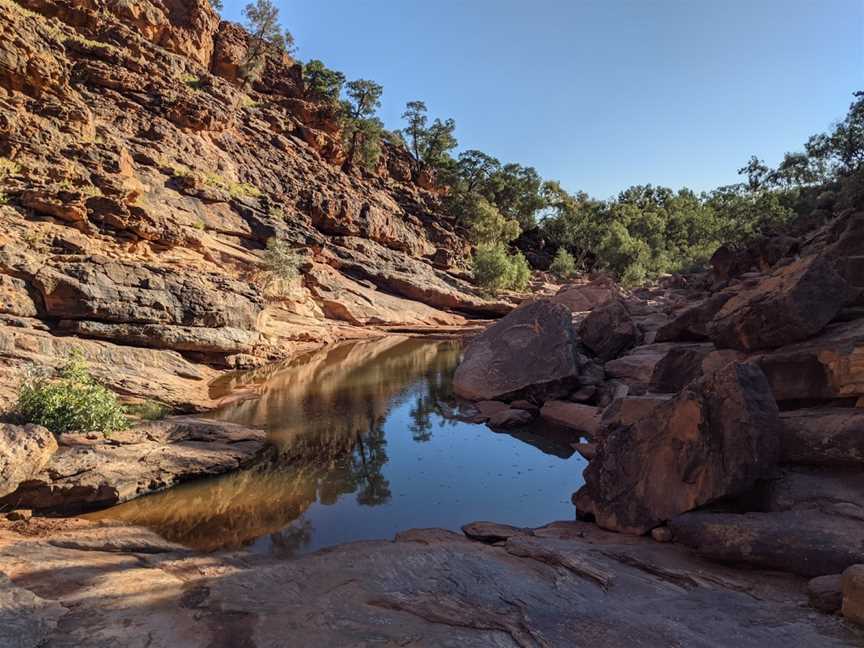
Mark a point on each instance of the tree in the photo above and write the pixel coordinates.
(496, 269)
(266, 34)
(322, 82)
(361, 129)
(217, 5)
(429, 145)
(563, 265)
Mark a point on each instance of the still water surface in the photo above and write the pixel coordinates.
(368, 443)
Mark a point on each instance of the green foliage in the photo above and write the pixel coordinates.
(564, 264)
(267, 35)
(429, 144)
(322, 82)
(361, 129)
(485, 223)
(496, 269)
(148, 410)
(8, 167)
(217, 5)
(72, 402)
(281, 266)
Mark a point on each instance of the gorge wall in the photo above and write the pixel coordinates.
(139, 185)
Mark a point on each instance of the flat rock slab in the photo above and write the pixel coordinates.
(87, 473)
(583, 418)
(566, 585)
(26, 620)
(824, 436)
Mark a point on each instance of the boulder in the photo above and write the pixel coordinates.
(25, 450)
(580, 298)
(531, 349)
(683, 365)
(691, 324)
(829, 366)
(853, 594)
(629, 410)
(637, 367)
(608, 330)
(825, 593)
(583, 418)
(824, 436)
(792, 304)
(509, 418)
(87, 474)
(805, 542)
(715, 439)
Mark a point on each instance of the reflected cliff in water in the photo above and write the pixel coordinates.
(366, 443)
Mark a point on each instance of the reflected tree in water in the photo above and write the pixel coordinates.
(435, 398)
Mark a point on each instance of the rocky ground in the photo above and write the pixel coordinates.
(726, 415)
(566, 584)
(139, 185)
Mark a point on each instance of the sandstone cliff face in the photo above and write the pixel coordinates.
(140, 185)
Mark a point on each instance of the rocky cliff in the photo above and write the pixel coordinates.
(139, 185)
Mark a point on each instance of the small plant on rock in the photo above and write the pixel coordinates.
(74, 401)
(281, 266)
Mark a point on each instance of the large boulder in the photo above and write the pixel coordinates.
(829, 366)
(716, 438)
(824, 436)
(24, 451)
(853, 594)
(587, 296)
(609, 330)
(691, 324)
(532, 348)
(792, 304)
(683, 365)
(583, 418)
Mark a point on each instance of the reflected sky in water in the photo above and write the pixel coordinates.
(367, 442)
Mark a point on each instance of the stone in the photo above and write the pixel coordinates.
(27, 620)
(531, 349)
(25, 450)
(142, 460)
(609, 330)
(691, 324)
(794, 303)
(825, 594)
(828, 366)
(19, 515)
(804, 542)
(629, 410)
(431, 587)
(491, 532)
(685, 364)
(489, 408)
(714, 439)
(661, 534)
(522, 404)
(587, 450)
(583, 418)
(831, 436)
(853, 594)
(510, 418)
(587, 296)
(636, 368)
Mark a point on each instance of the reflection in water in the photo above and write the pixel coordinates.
(365, 444)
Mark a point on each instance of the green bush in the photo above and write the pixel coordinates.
(496, 269)
(148, 410)
(72, 402)
(281, 265)
(563, 265)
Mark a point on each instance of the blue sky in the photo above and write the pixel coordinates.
(602, 94)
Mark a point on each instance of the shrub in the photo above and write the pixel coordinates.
(148, 410)
(563, 265)
(496, 269)
(74, 401)
(281, 265)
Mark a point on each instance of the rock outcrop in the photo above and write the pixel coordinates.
(89, 473)
(141, 182)
(715, 439)
(24, 451)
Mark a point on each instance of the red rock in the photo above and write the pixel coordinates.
(509, 418)
(586, 297)
(715, 439)
(792, 304)
(25, 450)
(825, 593)
(824, 436)
(531, 348)
(609, 330)
(853, 594)
(583, 418)
(685, 364)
